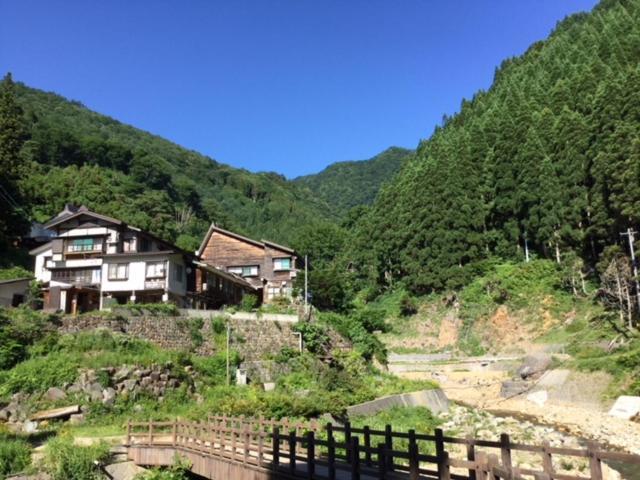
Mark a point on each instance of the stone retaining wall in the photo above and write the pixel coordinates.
(254, 339)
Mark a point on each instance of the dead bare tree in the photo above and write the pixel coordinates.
(616, 285)
(183, 216)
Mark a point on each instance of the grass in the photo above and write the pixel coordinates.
(15, 454)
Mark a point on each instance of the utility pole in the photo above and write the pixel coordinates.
(228, 343)
(306, 282)
(630, 236)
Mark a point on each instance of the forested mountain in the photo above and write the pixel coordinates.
(344, 185)
(550, 154)
(71, 154)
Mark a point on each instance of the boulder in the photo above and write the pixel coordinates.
(511, 388)
(4, 415)
(122, 374)
(76, 419)
(534, 365)
(54, 394)
(94, 390)
(124, 471)
(108, 396)
(130, 384)
(625, 407)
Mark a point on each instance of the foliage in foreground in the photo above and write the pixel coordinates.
(66, 461)
(177, 471)
(15, 454)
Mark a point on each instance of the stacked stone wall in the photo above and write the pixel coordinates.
(253, 339)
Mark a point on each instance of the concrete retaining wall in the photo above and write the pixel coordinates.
(435, 400)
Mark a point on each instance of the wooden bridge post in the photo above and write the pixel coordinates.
(595, 464)
(355, 458)
(311, 455)
(388, 440)
(276, 447)
(443, 458)
(347, 440)
(471, 456)
(232, 430)
(414, 464)
(547, 461)
(505, 454)
(128, 432)
(150, 432)
(292, 451)
(367, 446)
(261, 448)
(382, 462)
(331, 453)
(481, 466)
(174, 433)
(245, 433)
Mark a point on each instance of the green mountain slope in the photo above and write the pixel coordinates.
(344, 185)
(550, 153)
(72, 154)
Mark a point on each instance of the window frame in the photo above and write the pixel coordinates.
(156, 263)
(282, 269)
(240, 270)
(116, 266)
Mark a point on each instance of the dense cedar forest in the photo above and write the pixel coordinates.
(550, 154)
(549, 157)
(344, 185)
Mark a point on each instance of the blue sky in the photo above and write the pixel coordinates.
(281, 85)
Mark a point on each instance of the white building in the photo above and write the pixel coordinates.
(95, 261)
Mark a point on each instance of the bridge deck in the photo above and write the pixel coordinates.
(235, 448)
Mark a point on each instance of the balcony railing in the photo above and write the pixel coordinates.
(154, 283)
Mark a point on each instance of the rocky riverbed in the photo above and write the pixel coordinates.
(462, 421)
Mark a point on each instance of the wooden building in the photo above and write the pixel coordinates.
(270, 268)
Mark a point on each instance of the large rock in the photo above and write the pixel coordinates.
(76, 419)
(534, 365)
(54, 394)
(94, 390)
(625, 407)
(109, 396)
(511, 388)
(124, 470)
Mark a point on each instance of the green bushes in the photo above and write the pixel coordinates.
(38, 374)
(160, 309)
(19, 328)
(15, 454)
(358, 328)
(314, 336)
(66, 461)
(248, 303)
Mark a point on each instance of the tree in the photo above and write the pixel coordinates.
(12, 135)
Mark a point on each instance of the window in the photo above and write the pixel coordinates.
(129, 244)
(145, 244)
(245, 271)
(118, 271)
(84, 245)
(156, 270)
(282, 264)
(178, 273)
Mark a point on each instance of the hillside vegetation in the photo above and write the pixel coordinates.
(344, 185)
(550, 154)
(69, 154)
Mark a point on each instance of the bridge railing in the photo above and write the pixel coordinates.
(312, 450)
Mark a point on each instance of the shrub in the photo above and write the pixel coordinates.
(218, 324)
(315, 336)
(38, 374)
(248, 302)
(66, 461)
(15, 455)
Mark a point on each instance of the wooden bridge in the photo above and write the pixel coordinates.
(226, 448)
